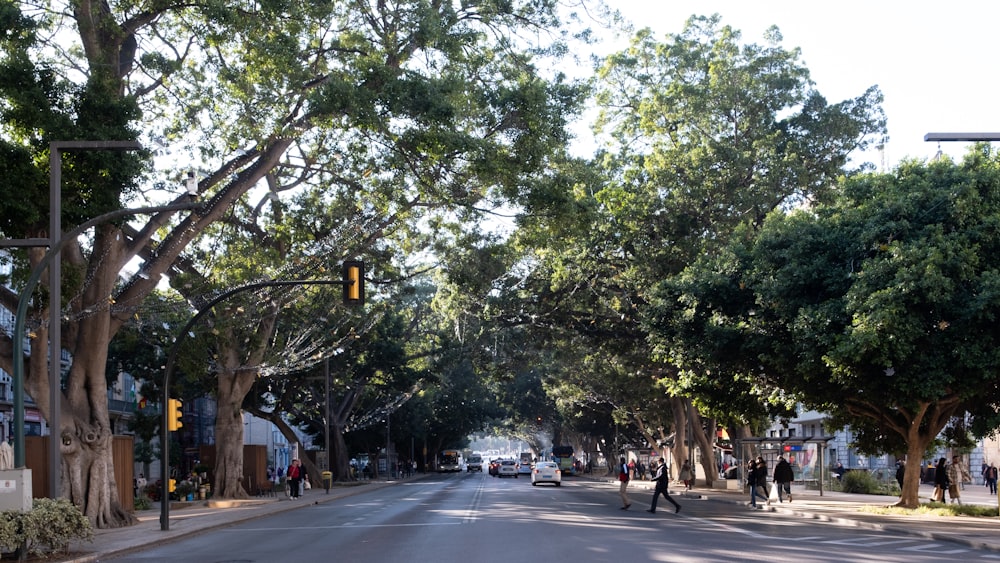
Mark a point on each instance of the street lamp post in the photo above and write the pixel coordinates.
(56, 243)
(169, 370)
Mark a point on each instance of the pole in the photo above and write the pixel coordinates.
(168, 371)
(55, 324)
(326, 414)
(22, 310)
(55, 241)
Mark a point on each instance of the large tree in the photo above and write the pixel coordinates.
(699, 133)
(422, 104)
(879, 308)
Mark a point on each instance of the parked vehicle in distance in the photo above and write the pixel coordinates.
(507, 468)
(474, 463)
(546, 472)
(526, 462)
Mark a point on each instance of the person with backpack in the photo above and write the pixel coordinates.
(623, 479)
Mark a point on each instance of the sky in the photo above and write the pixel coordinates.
(935, 62)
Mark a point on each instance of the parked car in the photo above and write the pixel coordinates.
(507, 468)
(475, 463)
(546, 472)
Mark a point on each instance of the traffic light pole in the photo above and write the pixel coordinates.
(355, 279)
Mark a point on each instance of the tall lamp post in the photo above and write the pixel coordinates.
(56, 242)
(353, 294)
(972, 137)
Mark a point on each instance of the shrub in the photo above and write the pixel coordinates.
(47, 528)
(143, 503)
(861, 482)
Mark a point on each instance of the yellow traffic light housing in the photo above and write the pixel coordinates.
(174, 415)
(354, 282)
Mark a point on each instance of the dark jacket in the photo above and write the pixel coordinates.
(661, 478)
(783, 472)
(760, 473)
(941, 476)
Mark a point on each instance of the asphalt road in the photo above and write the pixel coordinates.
(477, 518)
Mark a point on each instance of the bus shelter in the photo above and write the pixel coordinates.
(805, 453)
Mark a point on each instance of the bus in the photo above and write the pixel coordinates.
(564, 457)
(524, 465)
(449, 460)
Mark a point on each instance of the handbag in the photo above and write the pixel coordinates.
(938, 494)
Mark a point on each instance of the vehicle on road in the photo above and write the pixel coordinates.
(507, 468)
(564, 457)
(546, 472)
(449, 460)
(524, 468)
(474, 463)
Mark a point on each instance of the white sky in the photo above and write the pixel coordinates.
(933, 61)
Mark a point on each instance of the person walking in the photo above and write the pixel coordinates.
(294, 477)
(783, 477)
(760, 471)
(752, 480)
(662, 480)
(991, 478)
(940, 480)
(954, 472)
(687, 474)
(623, 479)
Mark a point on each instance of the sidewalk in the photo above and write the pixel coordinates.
(838, 508)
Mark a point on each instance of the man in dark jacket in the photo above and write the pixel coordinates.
(783, 478)
(662, 483)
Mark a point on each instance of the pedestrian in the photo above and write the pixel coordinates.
(623, 483)
(954, 472)
(940, 480)
(752, 476)
(140, 486)
(294, 475)
(662, 480)
(631, 469)
(900, 473)
(966, 476)
(761, 478)
(839, 471)
(991, 478)
(783, 477)
(687, 475)
(982, 473)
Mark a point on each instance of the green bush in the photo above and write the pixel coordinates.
(47, 528)
(143, 503)
(861, 482)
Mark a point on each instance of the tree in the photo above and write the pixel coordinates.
(699, 134)
(396, 108)
(879, 308)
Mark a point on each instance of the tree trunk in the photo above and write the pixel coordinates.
(701, 436)
(679, 407)
(229, 452)
(89, 476)
(340, 462)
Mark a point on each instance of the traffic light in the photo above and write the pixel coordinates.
(174, 415)
(354, 282)
(171, 483)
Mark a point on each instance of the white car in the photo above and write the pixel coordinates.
(546, 472)
(508, 468)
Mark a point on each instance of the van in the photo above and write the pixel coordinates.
(475, 463)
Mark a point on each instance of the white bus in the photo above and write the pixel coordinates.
(449, 460)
